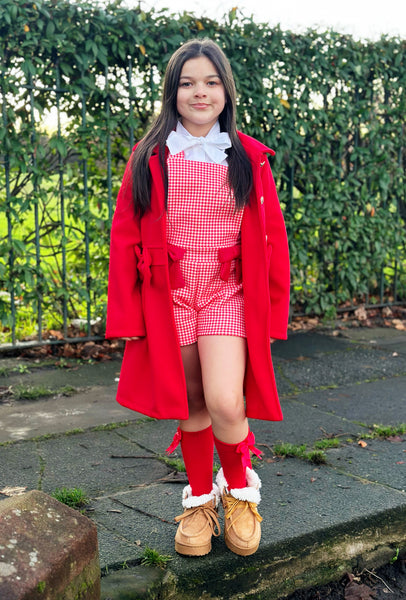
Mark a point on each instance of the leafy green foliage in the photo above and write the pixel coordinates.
(73, 497)
(153, 558)
(331, 106)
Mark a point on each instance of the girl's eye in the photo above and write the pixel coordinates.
(213, 83)
(185, 84)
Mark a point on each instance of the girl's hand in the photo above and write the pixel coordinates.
(132, 339)
(273, 340)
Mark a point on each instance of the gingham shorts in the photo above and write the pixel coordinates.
(202, 222)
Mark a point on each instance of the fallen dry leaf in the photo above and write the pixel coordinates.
(58, 335)
(361, 313)
(399, 324)
(356, 591)
(394, 438)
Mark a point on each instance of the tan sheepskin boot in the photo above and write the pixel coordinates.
(198, 523)
(242, 529)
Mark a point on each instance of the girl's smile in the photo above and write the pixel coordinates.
(201, 96)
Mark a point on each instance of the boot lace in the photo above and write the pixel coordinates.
(209, 512)
(232, 504)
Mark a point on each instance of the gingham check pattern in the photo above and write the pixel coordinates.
(202, 218)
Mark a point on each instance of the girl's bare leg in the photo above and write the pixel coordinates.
(222, 364)
(199, 417)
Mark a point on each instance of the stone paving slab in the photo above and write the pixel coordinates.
(372, 403)
(59, 414)
(310, 344)
(117, 551)
(90, 465)
(383, 337)
(303, 424)
(380, 461)
(19, 466)
(80, 375)
(359, 364)
(154, 436)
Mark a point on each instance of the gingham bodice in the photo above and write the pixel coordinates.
(201, 210)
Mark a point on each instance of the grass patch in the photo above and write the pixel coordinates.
(153, 558)
(34, 392)
(110, 426)
(386, 431)
(7, 371)
(74, 497)
(287, 450)
(290, 450)
(176, 464)
(327, 443)
(316, 457)
(31, 392)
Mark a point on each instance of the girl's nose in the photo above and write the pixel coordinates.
(200, 90)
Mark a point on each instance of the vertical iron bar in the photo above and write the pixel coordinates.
(36, 211)
(109, 186)
(398, 261)
(86, 212)
(382, 286)
(8, 214)
(336, 282)
(395, 279)
(62, 205)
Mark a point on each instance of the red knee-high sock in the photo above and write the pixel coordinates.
(231, 461)
(235, 458)
(197, 450)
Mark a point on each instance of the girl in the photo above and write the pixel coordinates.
(199, 287)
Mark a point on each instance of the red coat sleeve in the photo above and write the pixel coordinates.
(124, 307)
(278, 257)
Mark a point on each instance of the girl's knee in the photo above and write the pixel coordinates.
(228, 409)
(196, 402)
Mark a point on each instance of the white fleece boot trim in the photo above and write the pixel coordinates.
(190, 501)
(249, 493)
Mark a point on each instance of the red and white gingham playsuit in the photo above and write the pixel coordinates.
(203, 234)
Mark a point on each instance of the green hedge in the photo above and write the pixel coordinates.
(332, 107)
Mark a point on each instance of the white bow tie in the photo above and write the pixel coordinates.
(214, 145)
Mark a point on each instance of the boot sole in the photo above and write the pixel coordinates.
(192, 551)
(241, 551)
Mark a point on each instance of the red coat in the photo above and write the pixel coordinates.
(152, 379)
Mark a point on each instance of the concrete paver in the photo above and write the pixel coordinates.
(319, 520)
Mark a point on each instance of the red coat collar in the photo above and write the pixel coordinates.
(253, 147)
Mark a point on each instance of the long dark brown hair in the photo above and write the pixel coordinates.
(239, 166)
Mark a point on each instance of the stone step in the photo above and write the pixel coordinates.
(48, 551)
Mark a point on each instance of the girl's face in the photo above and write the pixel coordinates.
(201, 96)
